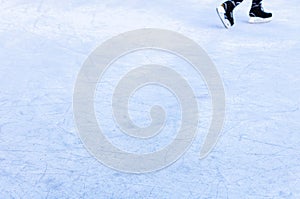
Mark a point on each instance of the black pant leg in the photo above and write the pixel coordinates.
(236, 2)
(256, 3)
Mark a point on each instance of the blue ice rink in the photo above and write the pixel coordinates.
(43, 45)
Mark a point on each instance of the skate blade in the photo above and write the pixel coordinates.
(221, 12)
(256, 20)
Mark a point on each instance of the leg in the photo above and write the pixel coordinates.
(256, 3)
(234, 2)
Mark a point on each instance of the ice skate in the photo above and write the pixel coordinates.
(258, 15)
(225, 12)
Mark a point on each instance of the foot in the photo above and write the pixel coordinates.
(258, 15)
(225, 12)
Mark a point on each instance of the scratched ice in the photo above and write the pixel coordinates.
(43, 45)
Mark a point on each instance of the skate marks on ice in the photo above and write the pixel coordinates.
(96, 64)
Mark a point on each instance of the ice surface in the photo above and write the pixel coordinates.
(43, 45)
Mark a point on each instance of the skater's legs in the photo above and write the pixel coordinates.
(235, 3)
(257, 13)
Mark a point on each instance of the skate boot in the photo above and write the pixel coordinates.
(225, 12)
(258, 15)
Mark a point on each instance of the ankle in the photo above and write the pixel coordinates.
(256, 5)
(229, 6)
